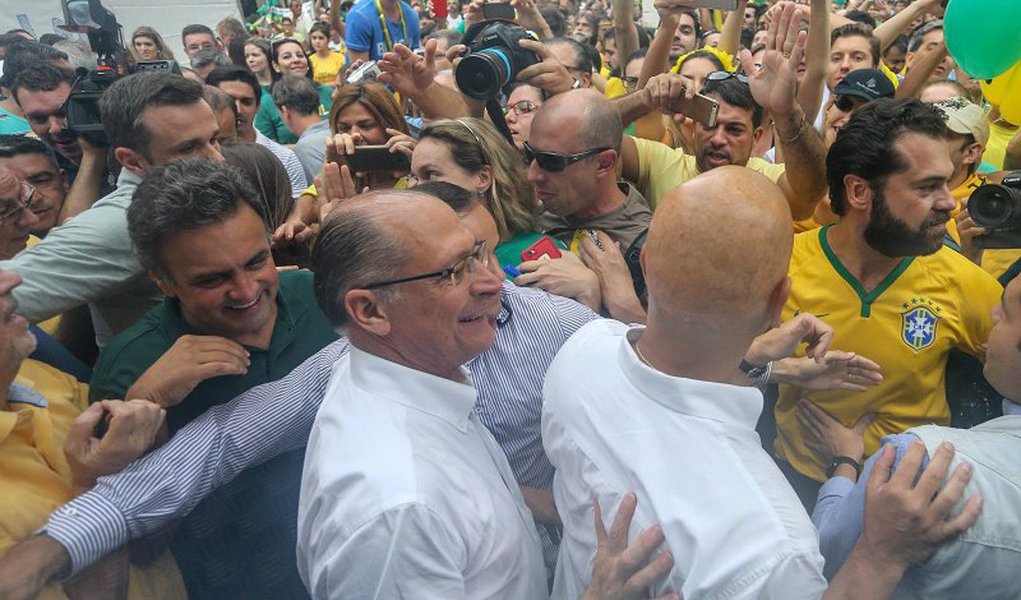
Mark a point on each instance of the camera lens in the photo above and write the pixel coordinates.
(994, 205)
(481, 74)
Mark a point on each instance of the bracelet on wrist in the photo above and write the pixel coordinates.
(800, 132)
(843, 460)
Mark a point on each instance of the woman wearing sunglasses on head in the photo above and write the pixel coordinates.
(472, 154)
(287, 57)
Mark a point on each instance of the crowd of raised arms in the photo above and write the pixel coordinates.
(535, 300)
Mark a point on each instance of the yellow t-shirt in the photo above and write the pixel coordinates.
(908, 324)
(615, 87)
(325, 70)
(49, 325)
(960, 194)
(35, 479)
(996, 147)
(662, 168)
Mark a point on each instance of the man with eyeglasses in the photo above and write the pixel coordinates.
(34, 162)
(16, 217)
(656, 168)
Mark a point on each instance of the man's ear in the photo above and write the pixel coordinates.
(777, 300)
(164, 283)
(858, 192)
(757, 134)
(973, 154)
(607, 163)
(131, 160)
(366, 310)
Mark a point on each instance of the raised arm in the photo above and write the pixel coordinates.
(816, 58)
(624, 29)
(898, 23)
(730, 37)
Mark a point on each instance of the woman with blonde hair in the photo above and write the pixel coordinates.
(148, 44)
(471, 153)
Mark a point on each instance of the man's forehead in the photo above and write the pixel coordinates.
(28, 163)
(854, 42)
(44, 99)
(10, 185)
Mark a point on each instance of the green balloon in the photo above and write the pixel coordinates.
(983, 35)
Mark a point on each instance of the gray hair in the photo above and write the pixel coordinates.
(354, 249)
(208, 56)
(79, 54)
(184, 196)
(296, 93)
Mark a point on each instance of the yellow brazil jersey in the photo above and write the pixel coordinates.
(960, 194)
(907, 324)
(325, 70)
(662, 168)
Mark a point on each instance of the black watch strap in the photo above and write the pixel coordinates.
(843, 460)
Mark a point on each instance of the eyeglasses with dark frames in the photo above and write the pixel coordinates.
(555, 162)
(455, 273)
(20, 204)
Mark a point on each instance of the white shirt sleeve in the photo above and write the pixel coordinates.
(406, 552)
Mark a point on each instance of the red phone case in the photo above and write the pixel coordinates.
(544, 247)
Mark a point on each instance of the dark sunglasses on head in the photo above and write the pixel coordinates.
(845, 103)
(725, 75)
(555, 162)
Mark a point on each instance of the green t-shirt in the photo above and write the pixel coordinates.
(300, 331)
(268, 120)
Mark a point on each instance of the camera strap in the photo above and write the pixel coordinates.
(496, 116)
(386, 30)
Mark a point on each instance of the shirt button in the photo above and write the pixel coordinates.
(70, 511)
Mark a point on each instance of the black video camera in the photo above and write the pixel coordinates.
(997, 208)
(494, 58)
(82, 106)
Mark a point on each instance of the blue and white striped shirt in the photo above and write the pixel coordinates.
(277, 417)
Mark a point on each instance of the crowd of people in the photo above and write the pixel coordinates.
(693, 311)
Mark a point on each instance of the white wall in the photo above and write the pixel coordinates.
(166, 16)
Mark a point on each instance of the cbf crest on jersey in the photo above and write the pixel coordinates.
(918, 327)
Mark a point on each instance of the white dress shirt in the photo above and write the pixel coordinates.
(406, 495)
(689, 451)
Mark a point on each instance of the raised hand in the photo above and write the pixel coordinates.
(131, 433)
(775, 85)
(190, 361)
(407, 72)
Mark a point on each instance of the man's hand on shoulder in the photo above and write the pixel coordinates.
(131, 432)
(623, 572)
(190, 361)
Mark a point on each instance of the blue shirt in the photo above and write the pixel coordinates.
(365, 34)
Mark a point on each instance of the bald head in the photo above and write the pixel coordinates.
(717, 248)
(586, 115)
(371, 238)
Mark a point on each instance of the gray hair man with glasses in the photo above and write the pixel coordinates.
(16, 216)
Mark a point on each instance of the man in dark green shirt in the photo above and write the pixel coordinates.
(230, 322)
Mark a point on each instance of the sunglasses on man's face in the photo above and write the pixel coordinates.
(555, 162)
(846, 103)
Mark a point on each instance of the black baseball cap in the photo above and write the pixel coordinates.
(868, 84)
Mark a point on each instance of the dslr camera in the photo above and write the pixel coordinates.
(82, 106)
(997, 208)
(494, 58)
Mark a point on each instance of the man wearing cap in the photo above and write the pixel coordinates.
(856, 89)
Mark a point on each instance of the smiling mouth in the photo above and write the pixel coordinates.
(249, 305)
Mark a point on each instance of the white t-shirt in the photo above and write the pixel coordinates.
(689, 451)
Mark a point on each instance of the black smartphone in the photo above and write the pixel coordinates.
(377, 158)
(498, 10)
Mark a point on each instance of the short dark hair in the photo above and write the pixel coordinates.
(734, 92)
(347, 254)
(182, 196)
(296, 93)
(860, 16)
(900, 43)
(859, 30)
(456, 197)
(865, 145)
(51, 38)
(918, 35)
(18, 145)
(554, 17)
(24, 54)
(582, 60)
(121, 106)
(196, 28)
(235, 73)
(320, 27)
(42, 77)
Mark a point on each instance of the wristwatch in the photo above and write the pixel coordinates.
(843, 460)
(760, 375)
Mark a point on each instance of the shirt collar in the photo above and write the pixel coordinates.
(722, 402)
(442, 398)
(1011, 409)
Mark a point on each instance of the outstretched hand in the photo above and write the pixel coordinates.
(775, 85)
(407, 72)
